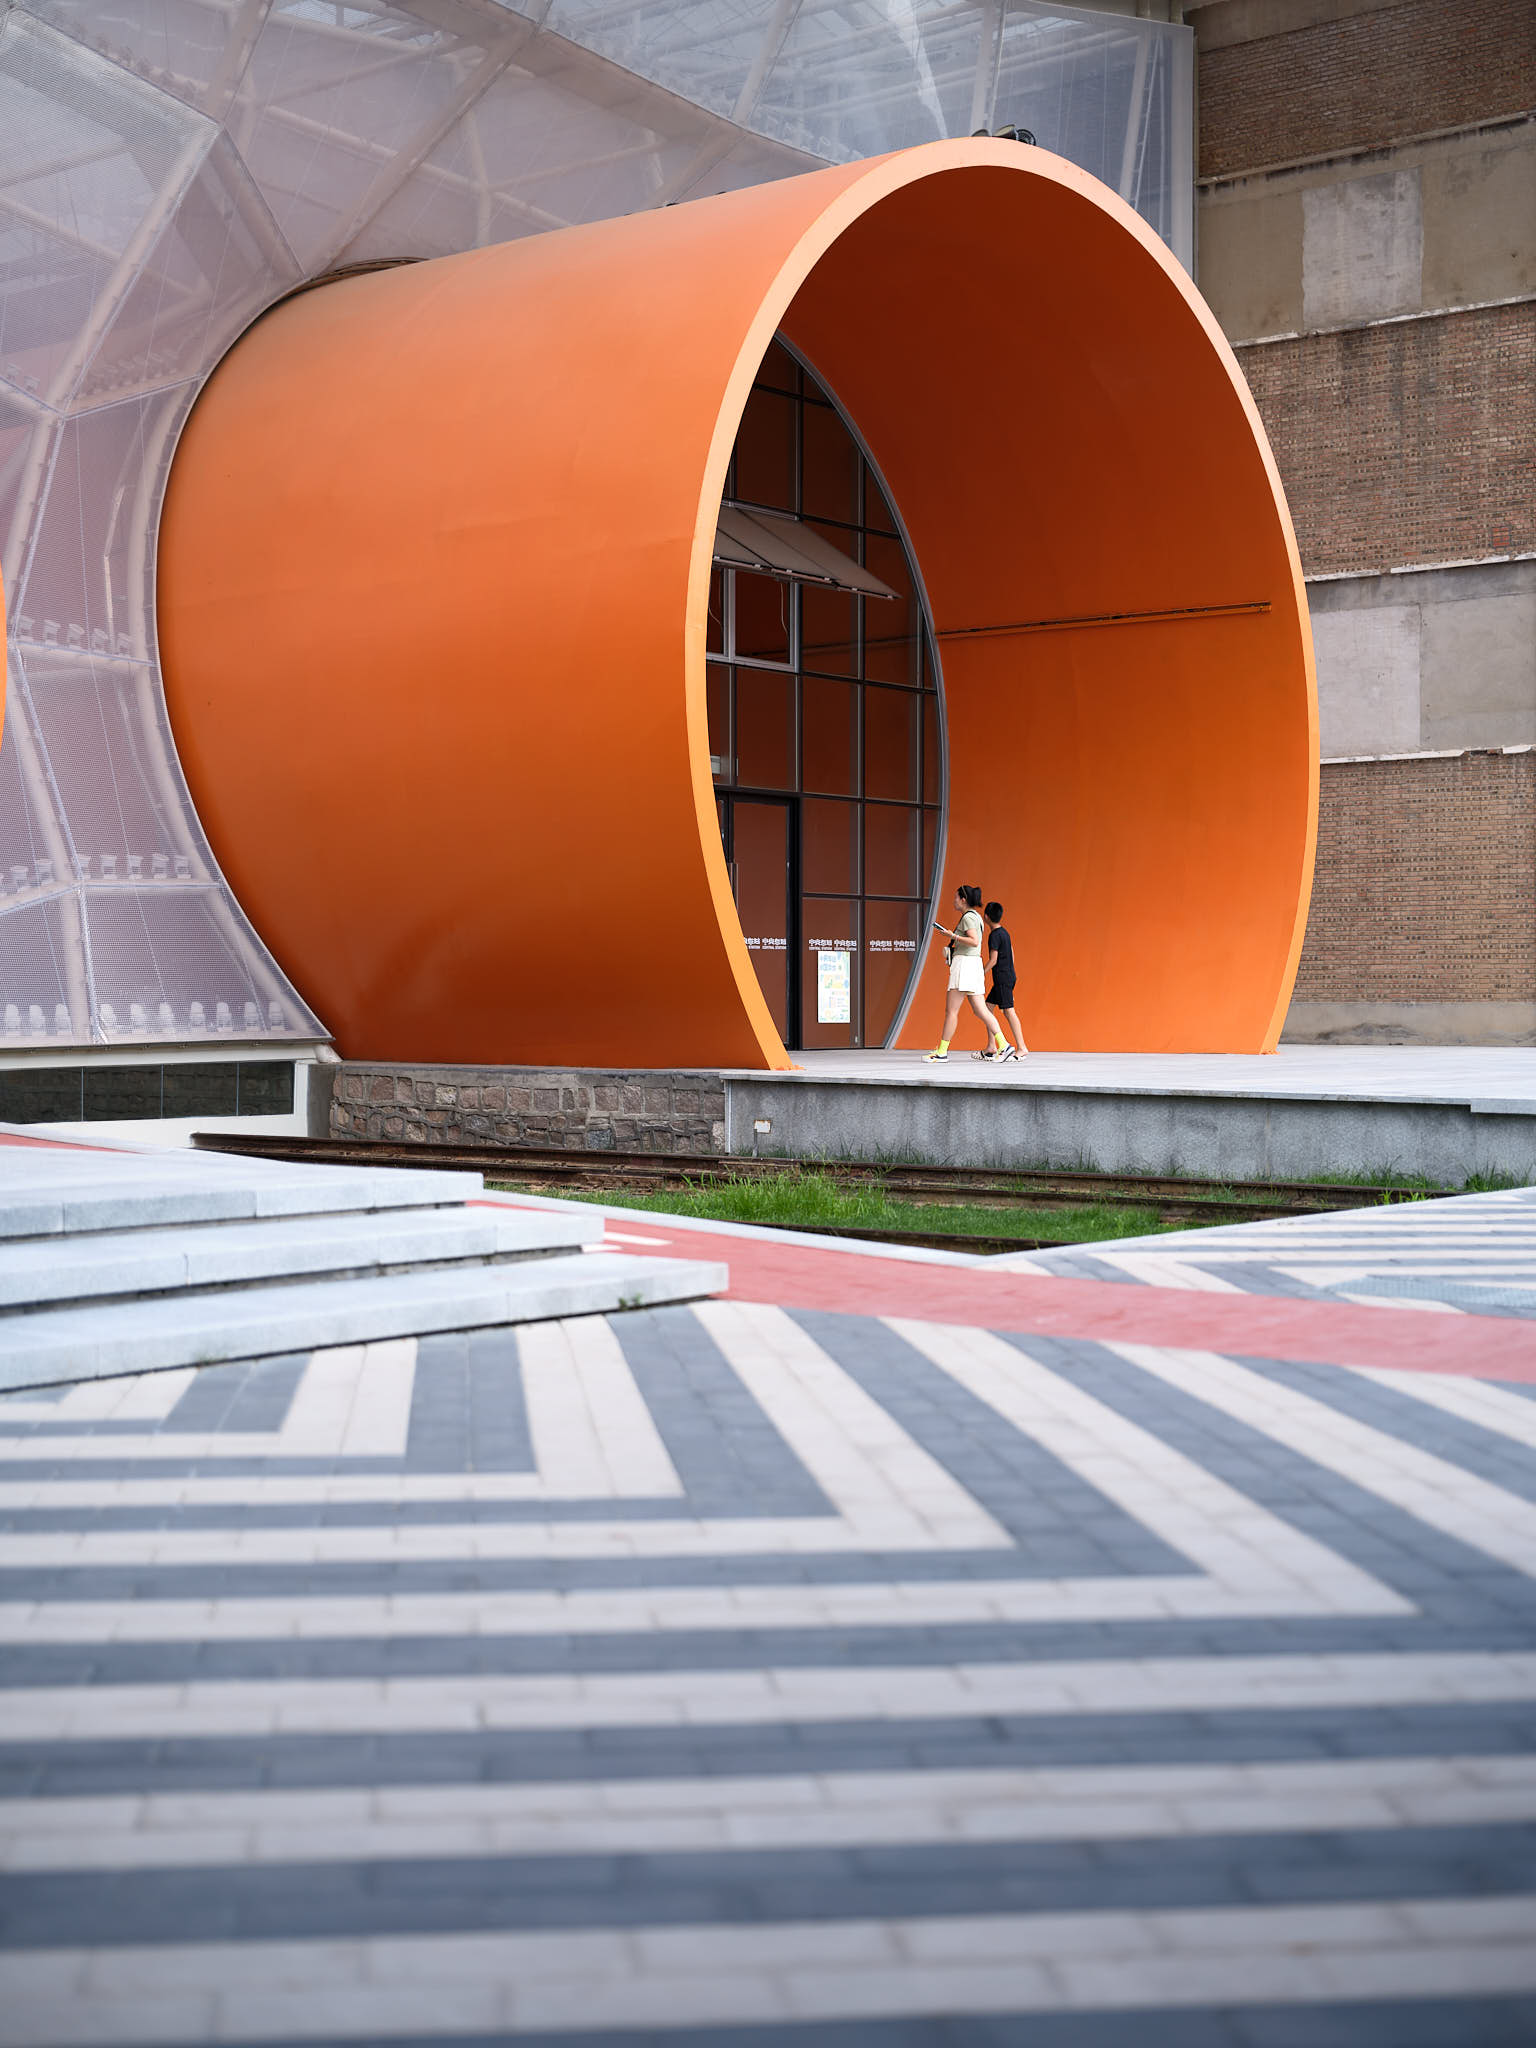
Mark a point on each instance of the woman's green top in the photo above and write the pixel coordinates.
(968, 934)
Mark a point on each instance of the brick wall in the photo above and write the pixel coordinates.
(580, 1110)
(1409, 442)
(1371, 78)
(1426, 882)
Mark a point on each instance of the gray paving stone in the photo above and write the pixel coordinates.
(468, 1413)
(1432, 2023)
(255, 1396)
(980, 1743)
(1433, 1569)
(1084, 1266)
(1439, 2023)
(1459, 1441)
(728, 1455)
(718, 1649)
(1479, 1298)
(435, 1894)
(1062, 1524)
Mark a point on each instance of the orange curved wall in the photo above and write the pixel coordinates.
(433, 580)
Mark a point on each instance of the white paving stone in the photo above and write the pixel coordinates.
(899, 1603)
(886, 1488)
(593, 1436)
(819, 1693)
(1231, 1538)
(828, 1811)
(1443, 1495)
(1003, 1963)
(1490, 1406)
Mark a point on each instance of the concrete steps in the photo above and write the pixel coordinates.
(124, 1264)
(46, 1192)
(196, 1328)
(115, 1262)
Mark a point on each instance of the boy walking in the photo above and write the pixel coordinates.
(1000, 960)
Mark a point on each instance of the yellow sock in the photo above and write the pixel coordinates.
(1000, 1040)
(943, 1045)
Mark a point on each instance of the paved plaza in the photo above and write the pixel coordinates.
(937, 1656)
(1468, 1254)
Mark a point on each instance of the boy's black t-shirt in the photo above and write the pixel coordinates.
(999, 942)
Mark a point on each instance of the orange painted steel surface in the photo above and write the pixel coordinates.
(433, 587)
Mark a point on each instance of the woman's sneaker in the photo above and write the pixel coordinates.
(1009, 1054)
(935, 1055)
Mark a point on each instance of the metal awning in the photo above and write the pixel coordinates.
(776, 545)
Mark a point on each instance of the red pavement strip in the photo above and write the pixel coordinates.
(1238, 1325)
(58, 1144)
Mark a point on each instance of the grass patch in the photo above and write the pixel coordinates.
(1417, 1187)
(1421, 1184)
(802, 1198)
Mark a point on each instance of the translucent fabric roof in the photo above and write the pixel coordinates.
(169, 168)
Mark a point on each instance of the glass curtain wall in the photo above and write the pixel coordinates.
(825, 731)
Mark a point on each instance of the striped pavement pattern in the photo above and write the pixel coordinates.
(738, 1675)
(1468, 1254)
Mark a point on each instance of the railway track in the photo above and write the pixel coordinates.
(1173, 1200)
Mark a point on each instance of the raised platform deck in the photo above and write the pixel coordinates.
(1450, 1113)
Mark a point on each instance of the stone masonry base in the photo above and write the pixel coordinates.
(577, 1110)
(1477, 1117)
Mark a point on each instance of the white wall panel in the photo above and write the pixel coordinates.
(1362, 251)
(1367, 680)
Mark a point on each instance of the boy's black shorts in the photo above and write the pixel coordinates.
(1002, 994)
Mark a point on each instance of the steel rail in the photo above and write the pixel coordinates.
(1002, 1188)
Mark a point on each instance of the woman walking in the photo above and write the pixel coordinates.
(966, 975)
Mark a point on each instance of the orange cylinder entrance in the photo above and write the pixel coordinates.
(434, 576)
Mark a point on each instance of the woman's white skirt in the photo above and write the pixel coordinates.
(968, 975)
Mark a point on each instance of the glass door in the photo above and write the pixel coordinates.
(760, 839)
(825, 718)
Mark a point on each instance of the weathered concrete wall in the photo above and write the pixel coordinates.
(581, 1110)
(1427, 226)
(1437, 659)
(1241, 1137)
(1383, 1022)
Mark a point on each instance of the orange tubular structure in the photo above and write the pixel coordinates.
(434, 578)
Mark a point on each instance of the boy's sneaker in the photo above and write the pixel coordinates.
(990, 1053)
(1010, 1054)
